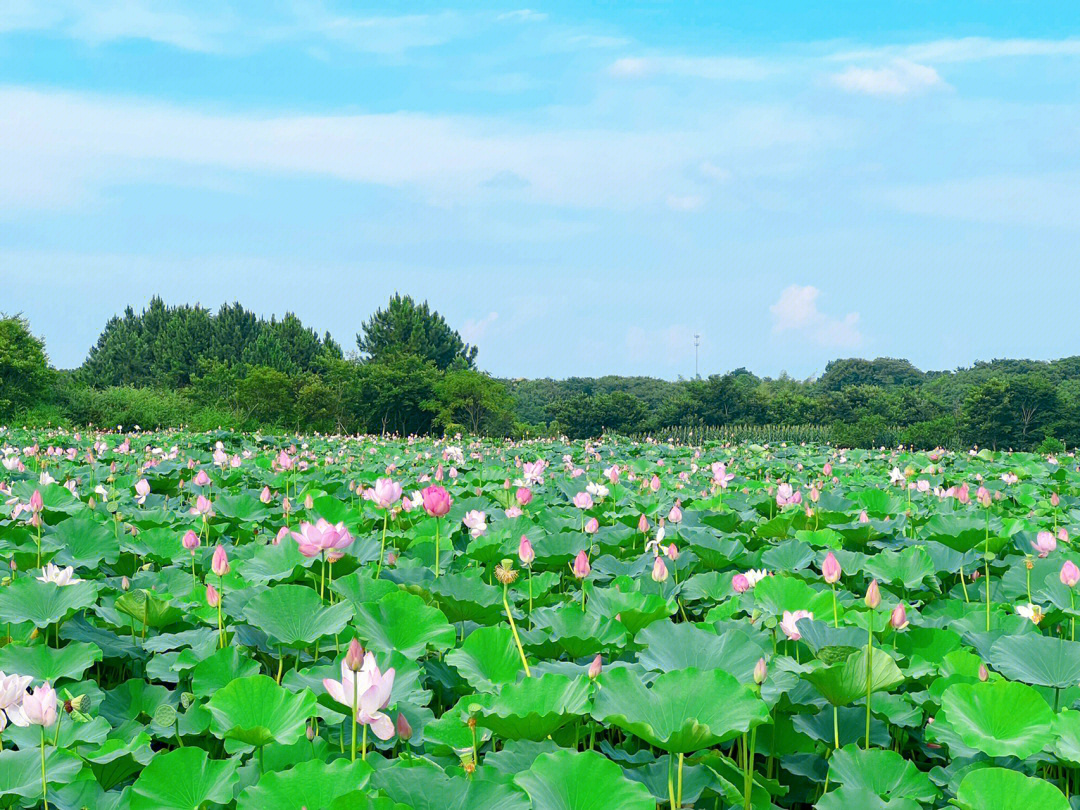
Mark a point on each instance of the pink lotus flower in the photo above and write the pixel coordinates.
(265, 496)
(320, 537)
(436, 500)
(675, 515)
(720, 475)
(142, 489)
(1044, 543)
(595, 667)
(213, 598)
(873, 595)
(982, 496)
(1070, 574)
(385, 493)
(525, 551)
(654, 483)
(898, 617)
(202, 479)
(827, 469)
(12, 689)
(476, 521)
(580, 567)
(583, 500)
(524, 496)
(190, 540)
(788, 623)
(37, 504)
(592, 526)
(672, 552)
(37, 708)
(612, 474)
(372, 689)
(830, 569)
(219, 564)
(203, 507)
(761, 671)
(786, 495)
(284, 461)
(659, 570)
(1055, 499)
(643, 525)
(740, 583)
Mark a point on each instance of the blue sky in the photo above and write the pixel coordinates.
(579, 187)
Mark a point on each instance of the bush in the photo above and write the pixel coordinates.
(1050, 446)
(940, 432)
(43, 416)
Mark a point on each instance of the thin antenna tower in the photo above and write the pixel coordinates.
(697, 342)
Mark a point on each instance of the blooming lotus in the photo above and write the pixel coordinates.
(372, 689)
(142, 489)
(1044, 543)
(476, 522)
(385, 493)
(37, 708)
(58, 576)
(580, 568)
(583, 500)
(12, 689)
(436, 500)
(789, 622)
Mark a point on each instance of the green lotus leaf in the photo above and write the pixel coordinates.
(404, 622)
(220, 669)
(882, 772)
(778, 593)
(20, 771)
(533, 708)
(634, 608)
(844, 683)
(295, 616)
(466, 597)
(907, 568)
(47, 663)
(420, 785)
(148, 609)
(1004, 789)
(999, 718)
(256, 711)
(84, 543)
(1038, 660)
(310, 784)
(184, 779)
(683, 710)
(580, 634)
(487, 658)
(859, 798)
(568, 780)
(670, 646)
(29, 600)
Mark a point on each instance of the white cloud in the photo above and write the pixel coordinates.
(474, 330)
(797, 311)
(715, 68)
(898, 79)
(685, 202)
(523, 15)
(65, 148)
(966, 49)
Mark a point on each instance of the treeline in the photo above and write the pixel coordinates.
(411, 373)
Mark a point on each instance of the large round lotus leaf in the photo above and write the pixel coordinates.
(404, 622)
(487, 658)
(580, 634)
(84, 543)
(778, 593)
(907, 568)
(844, 683)
(295, 616)
(568, 780)
(671, 646)
(855, 798)
(29, 600)
(20, 771)
(683, 711)
(257, 711)
(882, 772)
(421, 785)
(220, 669)
(466, 597)
(148, 609)
(963, 533)
(1005, 789)
(533, 708)
(634, 608)
(310, 784)
(1037, 659)
(1067, 736)
(999, 718)
(184, 779)
(47, 663)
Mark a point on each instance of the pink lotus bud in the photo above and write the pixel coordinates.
(740, 583)
(524, 496)
(830, 569)
(309, 502)
(36, 502)
(436, 500)
(265, 495)
(761, 671)
(592, 526)
(863, 517)
(827, 469)
(873, 595)
(354, 657)
(643, 525)
(659, 570)
(125, 583)
(595, 666)
(213, 598)
(672, 552)
(675, 515)
(898, 617)
(202, 479)
(1055, 500)
(654, 483)
(583, 500)
(984, 674)
(220, 562)
(1044, 543)
(404, 730)
(190, 540)
(1070, 574)
(580, 567)
(525, 551)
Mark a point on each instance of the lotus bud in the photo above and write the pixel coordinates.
(125, 583)
(213, 598)
(354, 657)
(898, 618)
(873, 595)
(595, 667)
(659, 570)
(220, 562)
(404, 730)
(984, 675)
(740, 583)
(525, 551)
(830, 569)
(1070, 574)
(190, 540)
(761, 671)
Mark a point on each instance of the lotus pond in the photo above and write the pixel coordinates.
(223, 620)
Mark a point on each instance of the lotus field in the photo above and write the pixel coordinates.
(265, 623)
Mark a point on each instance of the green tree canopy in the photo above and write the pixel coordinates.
(24, 368)
(406, 327)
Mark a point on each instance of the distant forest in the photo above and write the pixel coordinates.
(411, 373)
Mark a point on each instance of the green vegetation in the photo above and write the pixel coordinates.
(171, 366)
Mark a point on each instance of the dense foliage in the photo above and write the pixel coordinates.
(261, 623)
(185, 366)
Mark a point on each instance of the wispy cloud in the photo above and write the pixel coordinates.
(523, 15)
(901, 78)
(715, 68)
(797, 311)
(966, 49)
(473, 330)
